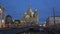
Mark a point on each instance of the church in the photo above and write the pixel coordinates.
(30, 17)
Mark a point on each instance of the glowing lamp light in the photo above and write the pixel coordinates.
(44, 25)
(13, 20)
(3, 21)
(0, 9)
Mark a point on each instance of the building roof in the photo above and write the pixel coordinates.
(2, 7)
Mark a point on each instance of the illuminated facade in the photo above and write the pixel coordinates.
(2, 17)
(51, 22)
(30, 17)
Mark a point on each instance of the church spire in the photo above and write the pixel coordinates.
(35, 12)
(29, 11)
(29, 8)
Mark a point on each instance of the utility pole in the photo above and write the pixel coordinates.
(54, 16)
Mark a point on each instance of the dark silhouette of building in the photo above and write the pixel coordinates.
(8, 20)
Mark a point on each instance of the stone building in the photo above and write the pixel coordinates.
(2, 17)
(30, 17)
(53, 22)
(8, 21)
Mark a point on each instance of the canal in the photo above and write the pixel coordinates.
(17, 31)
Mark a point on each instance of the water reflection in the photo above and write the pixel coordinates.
(30, 32)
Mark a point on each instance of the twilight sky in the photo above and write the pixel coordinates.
(16, 8)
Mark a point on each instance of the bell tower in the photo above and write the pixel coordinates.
(35, 17)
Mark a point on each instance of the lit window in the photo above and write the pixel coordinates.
(0, 9)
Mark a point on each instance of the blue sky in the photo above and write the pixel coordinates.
(16, 8)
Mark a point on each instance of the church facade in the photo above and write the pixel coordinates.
(30, 17)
